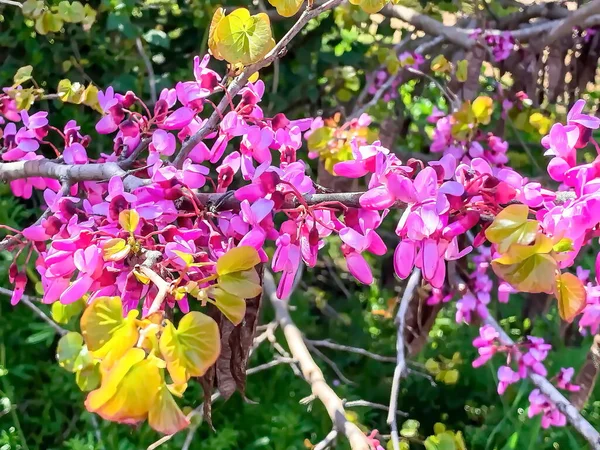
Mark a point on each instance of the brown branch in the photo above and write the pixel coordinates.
(311, 372)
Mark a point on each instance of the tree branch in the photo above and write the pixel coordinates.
(30, 303)
(311, 372)
(149, 68)
(411, 286)
(548, 389)
(565, 26)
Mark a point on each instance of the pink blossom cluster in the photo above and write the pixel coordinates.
(501, 44)
(380, 77)
(528, 357)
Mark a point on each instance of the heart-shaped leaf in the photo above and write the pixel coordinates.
(287, 8)
(571, 296)
(511, 226)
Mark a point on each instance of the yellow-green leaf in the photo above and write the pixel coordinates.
(244, 284)
(33, 8)
(462, 68)
(440, 64)
(128, 390)
(71, 12)
(48, 22)
(242, 38)
(129, 220)
(232, 306)
(286, 8)
(192, 348)
(571, 296)
(106, 332)
(511, 226)
(540, 122)
(88, 378)
(90, 97)
(482, 108)
(22, 75)
(212, 32)
(70, 92)
(529, 268)
(451, 376)
(71, 353)
(63, 313)
(165, 416)
(237, 259)
(370, 6)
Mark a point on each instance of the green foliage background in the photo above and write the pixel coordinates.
(40, 405)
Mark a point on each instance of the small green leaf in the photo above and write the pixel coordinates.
(462, 68)
(22, 75)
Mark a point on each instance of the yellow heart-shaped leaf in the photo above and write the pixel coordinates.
(232, 306)
(571, 296)
(165, 416)
(192, 348)
(287, 8)
(511, 226)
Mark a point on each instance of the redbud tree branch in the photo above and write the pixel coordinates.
(548, 389)
(311, 372)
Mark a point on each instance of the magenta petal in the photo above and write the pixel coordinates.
(179, 119)
(77, 290)
(377, 199)
(376, 244)
(354, 239)
(404, 258)
(358, 266)
(430, 258)
(350, 169)
(557, 167)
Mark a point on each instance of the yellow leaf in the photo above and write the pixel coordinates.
(128, 390)
(483, 107)
(48, 22)
(254, 77)
(540, 122)
(164, 415)
(232, 306)
(370, 6)
(511, 226)
(186, 257)
(286, 8)
(129, 220)
(237, 259)
(571, 296)
(440, 64)
(192, 348)
(529, 268)
(88, 378)
(107, 333)
(462, 68)
(451, 376)
(212, 32)
(242, 38)
(115, 249)
(70, 92)
(90, 97)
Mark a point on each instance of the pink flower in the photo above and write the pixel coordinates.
(564, 380)
(506, 377)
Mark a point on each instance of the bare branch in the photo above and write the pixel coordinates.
(327, 441)
(548, 389)
(312, 374)
(411, 286)
(345, 348)
(30, 303)
(149, 68)
(12, 3)
(576, 18)
(366, 404)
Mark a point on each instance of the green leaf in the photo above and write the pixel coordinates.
(440, 64)
(237, 259)
(63, 313)
(70, 92)
(232, 306)
(462, 68)
(511, 226)
(88, 378)
(243, 39)
(71, 12)
(71, 352)
(243, 284)
(158, 38)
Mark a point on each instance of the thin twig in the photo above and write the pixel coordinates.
(330, 363)
(407, 296)
(149, 69)
(29, 302)
(367, 404)
(346, 348)
(327, 441)
(12, 3)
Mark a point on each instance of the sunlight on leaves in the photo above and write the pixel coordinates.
(511, 226)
